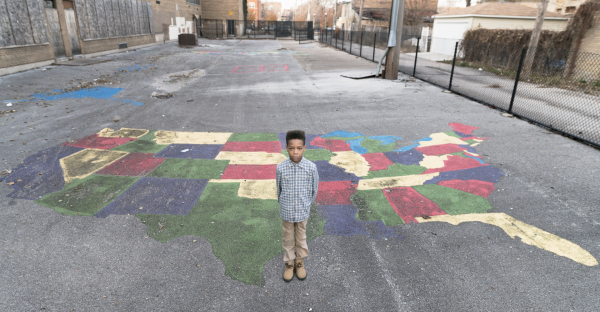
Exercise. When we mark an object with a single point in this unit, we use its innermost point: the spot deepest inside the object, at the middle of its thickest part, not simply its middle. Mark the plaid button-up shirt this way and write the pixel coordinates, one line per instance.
(297, 186)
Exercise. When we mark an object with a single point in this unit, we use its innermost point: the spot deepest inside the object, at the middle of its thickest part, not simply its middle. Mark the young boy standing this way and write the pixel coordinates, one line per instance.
(297, 185)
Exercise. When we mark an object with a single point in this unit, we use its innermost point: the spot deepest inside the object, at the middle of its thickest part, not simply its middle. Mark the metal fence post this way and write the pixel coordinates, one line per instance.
(416, 54)
(351, 43)
(512, 98)
(337, 34)
(343, 37)
(453, 62)
(361, 37)
(374, 42)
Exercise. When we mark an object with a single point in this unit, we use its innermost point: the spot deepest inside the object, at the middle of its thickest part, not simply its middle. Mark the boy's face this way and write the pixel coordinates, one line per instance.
(295, 148)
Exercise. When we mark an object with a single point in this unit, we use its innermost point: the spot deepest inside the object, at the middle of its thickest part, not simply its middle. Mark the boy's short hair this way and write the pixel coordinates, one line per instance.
(295, 135)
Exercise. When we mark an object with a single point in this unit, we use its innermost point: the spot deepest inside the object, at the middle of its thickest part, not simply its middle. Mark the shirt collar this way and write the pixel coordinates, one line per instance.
(302, 163)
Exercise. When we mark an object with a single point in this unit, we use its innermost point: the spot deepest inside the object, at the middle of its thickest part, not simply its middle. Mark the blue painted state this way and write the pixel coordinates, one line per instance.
(33, 184)
(484, 173)
(341, 220)
(329, 172)
(423, 139)
(194, 151)
(464, 135)
(309, 138)
(157, 195)
(355, 146)
(478, 159)
(469, 148)
(94, 93)
(385, 139)
(343, 134)
(411, 157)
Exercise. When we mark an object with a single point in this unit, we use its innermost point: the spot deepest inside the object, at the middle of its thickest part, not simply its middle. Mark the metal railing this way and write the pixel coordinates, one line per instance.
(557, 89)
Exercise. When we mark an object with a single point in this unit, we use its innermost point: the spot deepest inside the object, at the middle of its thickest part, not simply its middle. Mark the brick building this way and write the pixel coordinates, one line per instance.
(254, 10)
(271, 9)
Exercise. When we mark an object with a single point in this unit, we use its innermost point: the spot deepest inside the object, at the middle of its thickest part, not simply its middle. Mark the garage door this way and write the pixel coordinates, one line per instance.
(445, 35)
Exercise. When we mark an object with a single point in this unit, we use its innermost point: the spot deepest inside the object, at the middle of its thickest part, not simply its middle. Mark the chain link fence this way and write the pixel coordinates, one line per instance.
(558, 89)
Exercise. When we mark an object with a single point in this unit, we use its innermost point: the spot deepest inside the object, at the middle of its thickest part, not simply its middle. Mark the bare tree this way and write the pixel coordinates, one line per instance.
(416, 10)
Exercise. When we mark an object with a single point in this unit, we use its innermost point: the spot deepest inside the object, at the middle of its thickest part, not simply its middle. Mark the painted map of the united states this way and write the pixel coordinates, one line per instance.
(221, 186)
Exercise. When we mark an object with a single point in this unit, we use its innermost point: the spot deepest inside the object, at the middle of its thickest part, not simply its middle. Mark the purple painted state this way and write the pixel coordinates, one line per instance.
(484, 173)
(195, 151)
(469, 148)
(341, 220)
(463, 134)
(46, 162)
(329, 172)
(157, 195)
(410, 157)
(309, 138)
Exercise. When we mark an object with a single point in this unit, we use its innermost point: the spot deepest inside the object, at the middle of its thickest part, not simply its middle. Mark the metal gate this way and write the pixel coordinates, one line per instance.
(230, 27)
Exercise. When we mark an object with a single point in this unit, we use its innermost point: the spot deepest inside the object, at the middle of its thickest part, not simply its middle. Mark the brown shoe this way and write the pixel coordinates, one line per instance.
(300, 271)
(288, 274)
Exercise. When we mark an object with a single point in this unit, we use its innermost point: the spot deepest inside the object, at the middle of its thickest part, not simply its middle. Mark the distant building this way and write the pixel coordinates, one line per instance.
(254, 10)
(271, 9)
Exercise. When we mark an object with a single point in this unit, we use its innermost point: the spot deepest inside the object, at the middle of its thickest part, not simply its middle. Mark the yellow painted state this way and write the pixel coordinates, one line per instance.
(352, 161)
(181, 137)
(529, 234)
(251, 158)
(441, 138)
(257, 189)
(402, 181)
(123, 133)
(86, 162)
(433, 162)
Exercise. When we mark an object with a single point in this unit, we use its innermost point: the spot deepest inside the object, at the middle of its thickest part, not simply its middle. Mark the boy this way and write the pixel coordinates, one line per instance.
(297, 185)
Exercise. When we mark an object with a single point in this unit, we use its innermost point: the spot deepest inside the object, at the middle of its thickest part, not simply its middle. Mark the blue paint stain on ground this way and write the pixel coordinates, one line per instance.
(423, 139)
(483, 173)
(40, 174)
(94, 93)
(194, 151)
(329, 172)
(411, 157)
(133, 68)
(157, 195)
(341, 220)
(343, 134)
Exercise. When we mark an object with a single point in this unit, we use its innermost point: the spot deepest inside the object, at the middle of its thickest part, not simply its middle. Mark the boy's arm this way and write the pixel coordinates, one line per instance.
(315, 185)
(278, 182)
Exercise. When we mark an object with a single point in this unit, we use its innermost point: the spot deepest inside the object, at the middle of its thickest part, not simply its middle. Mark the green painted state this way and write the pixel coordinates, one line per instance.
(452, 133)
(245, 233)
(143, 144)
(313, 154)
(190, 168)
(373, 206)
(454, 202)
(470, 142)
(396, 170)
(253, 137)
(374, 146)
(85, 197)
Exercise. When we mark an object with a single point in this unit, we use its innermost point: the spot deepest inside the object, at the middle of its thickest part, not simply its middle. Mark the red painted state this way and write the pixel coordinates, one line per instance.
(455, 162)
(94, 141)
(332, 145)
(475, 187)
(462, 128)
(269, 147)
(250, 172)
(335, 193)
(133, 165)
(440, 149)
(409, 204)
(377, 161)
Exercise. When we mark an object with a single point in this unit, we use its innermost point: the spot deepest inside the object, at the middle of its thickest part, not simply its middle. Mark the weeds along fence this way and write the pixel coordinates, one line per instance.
(558, 89)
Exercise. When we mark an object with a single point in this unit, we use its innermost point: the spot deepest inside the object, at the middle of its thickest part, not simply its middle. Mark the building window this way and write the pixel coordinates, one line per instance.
(558, 10)
(251, 5)
(570, 9)
(196, 2)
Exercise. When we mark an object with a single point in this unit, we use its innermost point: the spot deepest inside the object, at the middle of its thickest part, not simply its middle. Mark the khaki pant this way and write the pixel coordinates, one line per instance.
(294, 234)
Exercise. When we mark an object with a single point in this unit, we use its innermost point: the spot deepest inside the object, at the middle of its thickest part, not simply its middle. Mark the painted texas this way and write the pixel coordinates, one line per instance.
(221, 186)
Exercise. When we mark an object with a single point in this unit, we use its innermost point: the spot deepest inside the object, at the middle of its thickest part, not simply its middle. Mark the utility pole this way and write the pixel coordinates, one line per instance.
(535, 38)
(362, 4)
(334, 15)
(391, 61)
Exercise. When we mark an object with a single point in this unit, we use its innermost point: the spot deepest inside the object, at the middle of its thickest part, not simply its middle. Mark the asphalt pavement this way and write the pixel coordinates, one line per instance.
(55, 262)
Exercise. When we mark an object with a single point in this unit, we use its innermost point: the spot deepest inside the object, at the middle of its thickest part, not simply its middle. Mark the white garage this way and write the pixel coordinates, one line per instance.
(449, 27)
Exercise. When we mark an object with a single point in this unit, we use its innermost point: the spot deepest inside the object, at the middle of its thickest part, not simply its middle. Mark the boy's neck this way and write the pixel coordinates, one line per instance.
(296, 162)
